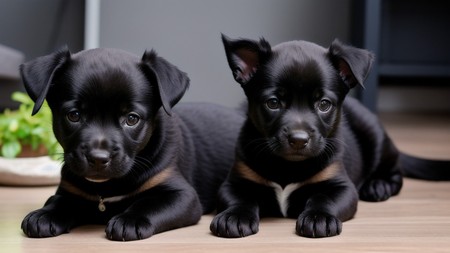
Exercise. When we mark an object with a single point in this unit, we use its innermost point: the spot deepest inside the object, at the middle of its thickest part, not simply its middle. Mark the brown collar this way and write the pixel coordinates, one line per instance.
(150, 183)
(246, 172)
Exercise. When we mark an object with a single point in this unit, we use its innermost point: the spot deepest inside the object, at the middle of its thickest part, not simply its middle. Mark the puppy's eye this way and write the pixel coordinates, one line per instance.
(132, 119)
(324, 105)
(74, 116)
(273, 104)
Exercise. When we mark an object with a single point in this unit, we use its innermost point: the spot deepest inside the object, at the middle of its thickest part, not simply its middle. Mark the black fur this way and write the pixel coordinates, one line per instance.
(306, 152)
(141, 165)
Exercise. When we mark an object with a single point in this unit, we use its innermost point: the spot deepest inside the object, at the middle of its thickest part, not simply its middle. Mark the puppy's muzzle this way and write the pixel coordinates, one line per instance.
(98, 158)
(298, 139)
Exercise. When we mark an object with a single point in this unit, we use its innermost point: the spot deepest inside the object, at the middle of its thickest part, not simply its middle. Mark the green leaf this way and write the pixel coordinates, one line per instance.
(13, 126)
(11, 149)
(22, 98)
(18, 127)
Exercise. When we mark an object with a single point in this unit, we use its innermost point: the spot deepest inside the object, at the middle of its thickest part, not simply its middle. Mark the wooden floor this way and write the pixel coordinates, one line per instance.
(418, 220)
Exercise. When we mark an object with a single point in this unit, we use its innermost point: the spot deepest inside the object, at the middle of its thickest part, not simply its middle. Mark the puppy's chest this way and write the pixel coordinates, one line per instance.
(282, 195)
(292, 195)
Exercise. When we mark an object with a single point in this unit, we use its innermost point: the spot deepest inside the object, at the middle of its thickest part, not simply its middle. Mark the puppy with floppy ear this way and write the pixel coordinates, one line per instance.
(131, 160)
(306, 151)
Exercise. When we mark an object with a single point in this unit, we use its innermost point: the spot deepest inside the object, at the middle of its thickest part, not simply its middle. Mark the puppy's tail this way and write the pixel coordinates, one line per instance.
(425, 169)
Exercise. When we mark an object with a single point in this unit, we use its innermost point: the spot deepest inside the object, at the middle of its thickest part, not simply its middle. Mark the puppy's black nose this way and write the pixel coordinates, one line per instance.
(298, 139)
(99, 158)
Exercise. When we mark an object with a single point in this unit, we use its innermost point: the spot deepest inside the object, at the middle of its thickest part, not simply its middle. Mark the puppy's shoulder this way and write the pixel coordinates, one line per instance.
(357, 113)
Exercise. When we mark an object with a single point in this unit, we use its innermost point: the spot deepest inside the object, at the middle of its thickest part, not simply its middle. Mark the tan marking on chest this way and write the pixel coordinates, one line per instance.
(283, 194)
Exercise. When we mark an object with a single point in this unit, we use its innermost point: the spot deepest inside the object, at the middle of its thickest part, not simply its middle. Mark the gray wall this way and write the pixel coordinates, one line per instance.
(38, 27)
(187, 33)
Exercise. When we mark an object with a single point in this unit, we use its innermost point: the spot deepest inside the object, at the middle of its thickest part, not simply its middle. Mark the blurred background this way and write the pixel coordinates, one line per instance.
(410, 38)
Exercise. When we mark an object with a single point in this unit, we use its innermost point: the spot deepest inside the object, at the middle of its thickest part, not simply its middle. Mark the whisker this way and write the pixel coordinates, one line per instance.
(140, 164)
(258, 146)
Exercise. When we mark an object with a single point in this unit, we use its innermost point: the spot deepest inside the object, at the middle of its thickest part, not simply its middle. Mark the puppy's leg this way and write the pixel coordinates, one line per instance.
(57, 216)
(387, 180)
(382, 174)
(238, 213)
(330, 205)
(171, 205)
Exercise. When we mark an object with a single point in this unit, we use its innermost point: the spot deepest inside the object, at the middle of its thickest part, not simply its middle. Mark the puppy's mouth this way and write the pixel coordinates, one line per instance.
(295, 157)
(298, 155)
(97, 179)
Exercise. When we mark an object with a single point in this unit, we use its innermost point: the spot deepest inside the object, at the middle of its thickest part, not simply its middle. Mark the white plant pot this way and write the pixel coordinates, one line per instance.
(29, 171)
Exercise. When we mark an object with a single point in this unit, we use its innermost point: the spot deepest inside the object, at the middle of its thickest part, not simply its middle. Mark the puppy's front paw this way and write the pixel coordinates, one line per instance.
(126, 227)
(233, 223)
(317, 225)
(45, 223)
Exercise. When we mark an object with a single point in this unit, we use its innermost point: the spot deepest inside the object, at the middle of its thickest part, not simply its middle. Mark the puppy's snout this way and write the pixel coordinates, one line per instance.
(99, 158)
(298, 139)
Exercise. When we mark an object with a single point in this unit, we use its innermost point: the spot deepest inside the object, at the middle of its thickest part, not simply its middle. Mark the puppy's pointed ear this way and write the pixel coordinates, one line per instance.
(245, 57)
(352, 63)
(171, 82)
(37, 75)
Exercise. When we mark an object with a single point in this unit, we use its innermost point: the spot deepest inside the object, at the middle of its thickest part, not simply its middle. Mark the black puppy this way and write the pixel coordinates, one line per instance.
(304, 152)
(130, 162)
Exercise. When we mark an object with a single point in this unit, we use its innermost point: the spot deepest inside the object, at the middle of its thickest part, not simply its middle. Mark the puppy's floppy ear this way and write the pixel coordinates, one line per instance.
(37, 75)
(352, 63)
(171, 82)
(245, 57)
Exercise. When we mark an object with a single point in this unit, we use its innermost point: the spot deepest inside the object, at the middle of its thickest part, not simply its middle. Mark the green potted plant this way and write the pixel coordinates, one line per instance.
(28, 147)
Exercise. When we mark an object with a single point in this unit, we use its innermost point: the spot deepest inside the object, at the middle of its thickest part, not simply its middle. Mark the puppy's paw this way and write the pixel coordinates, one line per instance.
(317, 225)
(234, 223)
(375, 190)
(127, 227)
(45, 223)
(380, 189)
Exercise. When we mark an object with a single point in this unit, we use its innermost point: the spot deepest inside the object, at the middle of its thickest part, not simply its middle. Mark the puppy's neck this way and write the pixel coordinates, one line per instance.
(156, 180)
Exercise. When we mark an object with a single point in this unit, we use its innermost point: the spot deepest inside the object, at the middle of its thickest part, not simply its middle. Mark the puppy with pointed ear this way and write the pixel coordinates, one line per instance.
(131, 160)
(306, 151)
